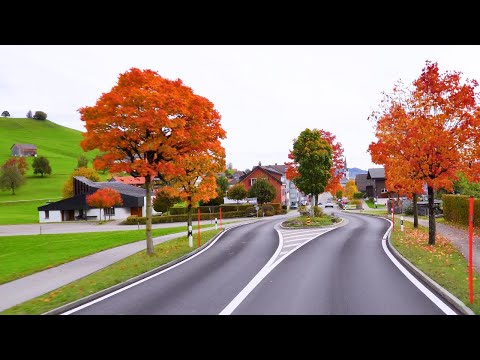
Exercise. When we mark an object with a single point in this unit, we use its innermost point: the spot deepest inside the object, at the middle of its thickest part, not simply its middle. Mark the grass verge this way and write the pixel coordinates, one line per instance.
(114, 274)
(442, 262)
(23, 255)
(371, 204)
(301, 221)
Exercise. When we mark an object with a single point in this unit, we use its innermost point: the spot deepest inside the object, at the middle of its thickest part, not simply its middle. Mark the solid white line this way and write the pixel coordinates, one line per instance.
(259, 277)
(289, 233)
(145, 279)
(440, 304)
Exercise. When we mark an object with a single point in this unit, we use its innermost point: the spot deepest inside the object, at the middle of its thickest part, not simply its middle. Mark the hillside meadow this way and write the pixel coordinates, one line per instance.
(59, 144)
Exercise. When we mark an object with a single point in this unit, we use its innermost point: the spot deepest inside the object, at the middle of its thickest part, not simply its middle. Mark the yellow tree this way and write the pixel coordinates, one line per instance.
(198, 179)
(350, 189)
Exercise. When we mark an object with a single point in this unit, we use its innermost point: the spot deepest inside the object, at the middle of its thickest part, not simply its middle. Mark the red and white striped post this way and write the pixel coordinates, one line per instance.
(198, 227)
(470, 249)
(393, 215)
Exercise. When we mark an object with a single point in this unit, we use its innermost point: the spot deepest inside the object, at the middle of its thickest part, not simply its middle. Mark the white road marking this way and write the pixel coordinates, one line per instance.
(440, 304)
(144, 279)
(262, 274)
(285, 246)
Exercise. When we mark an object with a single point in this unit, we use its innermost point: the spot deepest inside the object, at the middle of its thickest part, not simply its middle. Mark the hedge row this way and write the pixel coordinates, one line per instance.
(134, 220)
(456, 208)
(207, 209)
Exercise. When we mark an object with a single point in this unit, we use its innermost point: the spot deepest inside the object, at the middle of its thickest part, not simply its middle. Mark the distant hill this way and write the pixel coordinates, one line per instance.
(59, 144)
(353, 172)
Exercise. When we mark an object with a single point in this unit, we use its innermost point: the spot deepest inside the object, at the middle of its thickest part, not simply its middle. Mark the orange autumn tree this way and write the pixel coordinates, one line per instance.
(336, 171)
(19, 162)
(198, 179)
(144, 124)
(104, 198)
(389, 150)
(438, 129)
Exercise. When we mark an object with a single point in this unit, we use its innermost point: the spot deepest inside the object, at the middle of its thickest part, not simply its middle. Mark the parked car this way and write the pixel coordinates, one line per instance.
(329, 204)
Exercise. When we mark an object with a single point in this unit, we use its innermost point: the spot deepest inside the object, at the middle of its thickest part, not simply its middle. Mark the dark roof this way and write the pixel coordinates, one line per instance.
(376, 173)
(118, 186)
(25, 146)
(265, 170)
(80, 202)
(281, 169)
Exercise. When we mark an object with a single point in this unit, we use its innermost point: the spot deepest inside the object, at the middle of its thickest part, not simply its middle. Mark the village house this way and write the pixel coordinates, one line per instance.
(23, 150)
(76, 207)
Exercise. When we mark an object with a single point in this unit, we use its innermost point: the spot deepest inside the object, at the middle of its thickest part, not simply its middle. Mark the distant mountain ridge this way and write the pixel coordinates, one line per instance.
(353, 172)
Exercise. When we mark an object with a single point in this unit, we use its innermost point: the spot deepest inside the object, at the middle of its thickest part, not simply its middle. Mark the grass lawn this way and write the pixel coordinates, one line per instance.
(301, 221)
(22, 212)
(23, 255)
(59, 144)
(441, 262)
(371, 204)
(116, 273)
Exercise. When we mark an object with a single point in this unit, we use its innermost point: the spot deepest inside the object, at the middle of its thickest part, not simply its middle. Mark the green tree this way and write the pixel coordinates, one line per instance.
(40, 115)
(222, 185)
(41, 166)
(5, 113)
(263, 191)
(465, 187)
(237, 192)
(164, 200)
(339, 194)
(82, 161)
(29, 114)
(11, 178)
(313, 154)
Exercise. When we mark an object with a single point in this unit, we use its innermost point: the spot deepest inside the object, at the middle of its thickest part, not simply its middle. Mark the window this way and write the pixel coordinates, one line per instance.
(110, 211)
(253, 181)
(47, 214)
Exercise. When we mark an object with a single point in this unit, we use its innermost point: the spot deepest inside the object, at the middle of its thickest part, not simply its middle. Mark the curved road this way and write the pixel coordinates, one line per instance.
(342, 270)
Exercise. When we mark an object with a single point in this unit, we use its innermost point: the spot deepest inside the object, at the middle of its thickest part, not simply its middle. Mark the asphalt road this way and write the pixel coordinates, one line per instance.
(341, 271)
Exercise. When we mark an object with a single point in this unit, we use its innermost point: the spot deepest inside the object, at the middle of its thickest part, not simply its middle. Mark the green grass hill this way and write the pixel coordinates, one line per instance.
(59, 144)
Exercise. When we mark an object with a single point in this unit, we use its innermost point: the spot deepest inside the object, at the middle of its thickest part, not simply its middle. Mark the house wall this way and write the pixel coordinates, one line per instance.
(54, 216)
(15, 151)
(258, 174)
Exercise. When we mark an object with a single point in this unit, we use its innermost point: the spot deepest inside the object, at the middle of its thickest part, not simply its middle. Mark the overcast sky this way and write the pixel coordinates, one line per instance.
(267, 95)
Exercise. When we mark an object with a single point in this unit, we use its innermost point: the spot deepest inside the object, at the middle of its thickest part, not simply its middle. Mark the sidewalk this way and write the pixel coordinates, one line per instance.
(29, 287)
(457, 237)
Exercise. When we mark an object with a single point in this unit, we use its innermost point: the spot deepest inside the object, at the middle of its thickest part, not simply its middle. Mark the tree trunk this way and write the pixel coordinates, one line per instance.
(431, 217)
(148, 226)
(415, 210)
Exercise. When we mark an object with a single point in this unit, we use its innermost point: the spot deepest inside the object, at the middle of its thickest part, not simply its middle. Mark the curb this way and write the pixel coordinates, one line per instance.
(450, 298)
(113, 288)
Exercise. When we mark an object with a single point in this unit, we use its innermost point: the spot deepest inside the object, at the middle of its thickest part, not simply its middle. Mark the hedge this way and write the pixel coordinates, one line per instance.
(134, 220)
(206, 209)
(456, 208)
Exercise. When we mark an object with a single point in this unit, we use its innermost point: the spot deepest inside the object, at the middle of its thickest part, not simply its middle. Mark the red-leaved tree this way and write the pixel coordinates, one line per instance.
(19, 162)
(144, 124)
(437, 128)
(104, 198)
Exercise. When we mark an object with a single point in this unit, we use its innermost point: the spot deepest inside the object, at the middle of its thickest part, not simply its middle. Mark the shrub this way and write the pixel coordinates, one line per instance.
(269, 213)
(317, 211)
(268, 208)
(358, 195)
(250, 211)
(303, 211)
(284, 207)
(456, 209)
(40, 115)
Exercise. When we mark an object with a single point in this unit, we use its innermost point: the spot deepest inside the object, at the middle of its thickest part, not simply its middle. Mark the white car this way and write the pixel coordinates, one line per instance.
(329, 204)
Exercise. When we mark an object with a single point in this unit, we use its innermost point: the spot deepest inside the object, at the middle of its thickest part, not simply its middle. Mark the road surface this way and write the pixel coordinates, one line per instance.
(260, 268)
